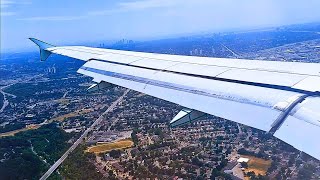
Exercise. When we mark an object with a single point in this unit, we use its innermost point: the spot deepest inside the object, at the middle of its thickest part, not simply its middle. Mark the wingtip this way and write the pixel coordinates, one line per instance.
(41, 44)
(44, 53)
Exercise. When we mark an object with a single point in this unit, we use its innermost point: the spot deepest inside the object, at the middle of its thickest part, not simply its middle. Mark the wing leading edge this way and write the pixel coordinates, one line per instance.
(281, 98)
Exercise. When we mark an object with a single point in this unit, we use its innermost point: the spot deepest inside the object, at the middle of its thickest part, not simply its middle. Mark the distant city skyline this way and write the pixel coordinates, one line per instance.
(71, 22)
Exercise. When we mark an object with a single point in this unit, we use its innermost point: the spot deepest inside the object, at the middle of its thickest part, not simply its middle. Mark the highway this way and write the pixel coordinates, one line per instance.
(235, 54)
(5, 99)
(85, 133)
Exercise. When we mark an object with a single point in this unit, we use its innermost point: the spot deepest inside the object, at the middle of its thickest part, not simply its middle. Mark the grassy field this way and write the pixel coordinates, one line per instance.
(107, 147)
(258, 165)
(36, 126)
(72, 114)
(12, 133)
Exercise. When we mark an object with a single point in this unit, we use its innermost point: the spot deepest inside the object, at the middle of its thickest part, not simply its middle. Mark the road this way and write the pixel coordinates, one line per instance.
(239, 128)
(85, 133)
(235, 54)
(5, 100)
(64, 95)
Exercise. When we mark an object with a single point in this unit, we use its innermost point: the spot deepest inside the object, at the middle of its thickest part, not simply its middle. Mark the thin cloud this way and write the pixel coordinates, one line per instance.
(147, 4)
(8, 14)
(119, 8)
(7, 7)
(9, 3)
(53, 18)
(6, 3)
(105, 12)
(136, 6)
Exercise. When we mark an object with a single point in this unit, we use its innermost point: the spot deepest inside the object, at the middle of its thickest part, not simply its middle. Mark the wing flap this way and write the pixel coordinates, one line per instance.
(224, 99)
(301, 135)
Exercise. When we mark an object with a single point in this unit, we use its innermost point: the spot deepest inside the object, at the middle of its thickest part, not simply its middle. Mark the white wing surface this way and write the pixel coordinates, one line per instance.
(282, 98)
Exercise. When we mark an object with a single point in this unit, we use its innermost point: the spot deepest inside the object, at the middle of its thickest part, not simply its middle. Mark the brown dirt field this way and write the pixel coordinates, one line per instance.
(258, 165)
(107, 147)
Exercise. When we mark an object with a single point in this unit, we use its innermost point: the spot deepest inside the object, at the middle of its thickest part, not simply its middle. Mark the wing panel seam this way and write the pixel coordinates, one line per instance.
(250, 83)
(192, 63)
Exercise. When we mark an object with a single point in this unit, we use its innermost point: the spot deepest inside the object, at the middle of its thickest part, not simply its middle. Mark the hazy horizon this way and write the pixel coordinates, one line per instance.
(70, 22)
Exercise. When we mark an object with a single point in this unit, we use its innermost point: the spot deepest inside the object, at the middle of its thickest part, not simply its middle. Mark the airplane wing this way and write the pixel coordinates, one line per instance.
(282, 98)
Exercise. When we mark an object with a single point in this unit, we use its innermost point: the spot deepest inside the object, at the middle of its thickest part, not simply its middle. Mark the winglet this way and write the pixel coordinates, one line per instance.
(44, 54)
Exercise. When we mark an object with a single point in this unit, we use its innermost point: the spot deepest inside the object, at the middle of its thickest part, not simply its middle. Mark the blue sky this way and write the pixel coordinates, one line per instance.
(75, 21)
